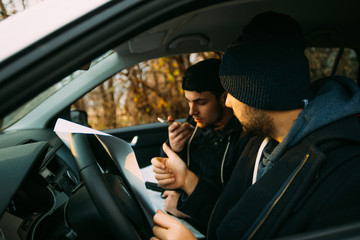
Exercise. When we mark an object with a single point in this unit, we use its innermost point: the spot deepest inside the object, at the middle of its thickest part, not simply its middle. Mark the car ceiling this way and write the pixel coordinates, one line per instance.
(326, 23)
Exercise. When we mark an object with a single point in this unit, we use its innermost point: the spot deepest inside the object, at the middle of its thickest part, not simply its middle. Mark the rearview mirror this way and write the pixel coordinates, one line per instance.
(79, 116)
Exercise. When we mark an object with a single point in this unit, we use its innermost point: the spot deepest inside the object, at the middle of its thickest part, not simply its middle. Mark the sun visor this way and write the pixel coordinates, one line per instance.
(146, 43)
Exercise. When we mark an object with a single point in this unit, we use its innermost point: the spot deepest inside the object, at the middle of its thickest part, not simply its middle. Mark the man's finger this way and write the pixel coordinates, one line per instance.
(185, 135)
(163, 176)
(163, 220)
(159, 232)
(174, 126)
(165, 182)
(161, 171)
(166, 193)
(169, 152)
(158, 162)
(171, 118)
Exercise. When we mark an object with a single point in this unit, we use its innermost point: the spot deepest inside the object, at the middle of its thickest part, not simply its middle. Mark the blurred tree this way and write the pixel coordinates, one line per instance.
(332, 61)
(11, 7)
(3, 11)
(141, 93)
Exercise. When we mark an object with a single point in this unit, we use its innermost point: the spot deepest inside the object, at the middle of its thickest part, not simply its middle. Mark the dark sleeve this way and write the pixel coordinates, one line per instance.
(162, 153)
(199, 204)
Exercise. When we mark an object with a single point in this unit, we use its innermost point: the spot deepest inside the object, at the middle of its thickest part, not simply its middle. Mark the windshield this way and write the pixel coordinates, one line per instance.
(26, 108)
(20, 112)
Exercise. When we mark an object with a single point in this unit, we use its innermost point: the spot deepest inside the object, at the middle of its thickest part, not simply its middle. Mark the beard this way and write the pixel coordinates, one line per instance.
(257, 121)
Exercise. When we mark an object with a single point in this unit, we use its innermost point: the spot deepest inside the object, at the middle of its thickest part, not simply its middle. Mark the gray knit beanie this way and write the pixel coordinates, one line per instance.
(266, 67)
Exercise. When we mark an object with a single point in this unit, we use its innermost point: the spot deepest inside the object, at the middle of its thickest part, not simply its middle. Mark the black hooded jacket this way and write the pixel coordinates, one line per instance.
(314, 182)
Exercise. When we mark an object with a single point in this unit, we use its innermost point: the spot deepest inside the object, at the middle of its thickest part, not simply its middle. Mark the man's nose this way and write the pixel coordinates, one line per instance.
(193, 109)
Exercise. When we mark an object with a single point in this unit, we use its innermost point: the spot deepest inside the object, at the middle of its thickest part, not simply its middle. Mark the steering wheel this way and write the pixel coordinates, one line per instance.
(111, 190)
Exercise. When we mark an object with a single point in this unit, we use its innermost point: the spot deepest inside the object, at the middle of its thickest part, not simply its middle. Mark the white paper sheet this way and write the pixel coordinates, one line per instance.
(64, 129)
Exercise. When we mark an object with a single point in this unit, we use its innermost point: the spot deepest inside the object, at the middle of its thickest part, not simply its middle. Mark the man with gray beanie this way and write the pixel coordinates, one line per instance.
(300, 173)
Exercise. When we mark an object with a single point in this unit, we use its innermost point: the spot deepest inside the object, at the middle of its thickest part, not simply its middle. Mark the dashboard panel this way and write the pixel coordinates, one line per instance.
(37, 175)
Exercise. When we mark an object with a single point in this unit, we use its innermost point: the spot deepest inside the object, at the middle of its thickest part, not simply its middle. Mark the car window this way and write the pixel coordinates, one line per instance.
(24, 109)
(151, 89)
(332, 61)
(141, 93)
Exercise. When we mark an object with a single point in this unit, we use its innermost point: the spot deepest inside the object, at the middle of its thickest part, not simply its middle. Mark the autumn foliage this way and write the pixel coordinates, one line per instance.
(141, 93)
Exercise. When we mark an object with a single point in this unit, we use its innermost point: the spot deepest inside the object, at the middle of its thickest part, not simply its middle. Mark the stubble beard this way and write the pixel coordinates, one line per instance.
(257, 122)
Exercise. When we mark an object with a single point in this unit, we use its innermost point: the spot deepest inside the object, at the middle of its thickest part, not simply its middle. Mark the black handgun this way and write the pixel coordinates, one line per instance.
(154, 187)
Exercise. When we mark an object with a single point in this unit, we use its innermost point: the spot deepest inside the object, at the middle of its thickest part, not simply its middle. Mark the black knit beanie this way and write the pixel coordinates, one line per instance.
(203, 76)
(266, 67)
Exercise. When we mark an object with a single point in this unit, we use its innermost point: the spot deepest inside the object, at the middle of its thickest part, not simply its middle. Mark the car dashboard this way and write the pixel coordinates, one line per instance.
(39, 174)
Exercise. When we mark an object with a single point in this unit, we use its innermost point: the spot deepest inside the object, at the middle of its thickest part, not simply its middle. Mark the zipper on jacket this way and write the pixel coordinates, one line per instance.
(223, 159)
(268, 209)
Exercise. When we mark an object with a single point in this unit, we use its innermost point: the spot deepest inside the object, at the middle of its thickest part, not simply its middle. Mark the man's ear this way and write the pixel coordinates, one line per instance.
(223, 98)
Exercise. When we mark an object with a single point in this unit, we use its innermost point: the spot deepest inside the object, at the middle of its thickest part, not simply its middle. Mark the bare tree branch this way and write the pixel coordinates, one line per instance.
(4, 13)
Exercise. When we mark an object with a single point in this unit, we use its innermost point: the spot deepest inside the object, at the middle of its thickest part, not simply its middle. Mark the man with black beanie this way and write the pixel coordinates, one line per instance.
(300, 174)
(210, 150)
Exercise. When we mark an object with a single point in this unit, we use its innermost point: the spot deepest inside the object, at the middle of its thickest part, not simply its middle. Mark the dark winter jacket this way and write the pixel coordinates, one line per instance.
(314, 182)
(213, 156)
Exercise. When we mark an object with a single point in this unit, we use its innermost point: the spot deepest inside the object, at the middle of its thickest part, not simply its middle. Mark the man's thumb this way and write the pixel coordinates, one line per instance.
(169, 152)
